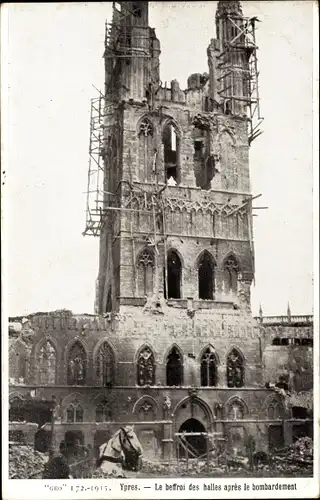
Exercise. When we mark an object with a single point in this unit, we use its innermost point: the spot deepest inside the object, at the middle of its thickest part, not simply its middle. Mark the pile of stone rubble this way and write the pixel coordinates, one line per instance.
(25, 463)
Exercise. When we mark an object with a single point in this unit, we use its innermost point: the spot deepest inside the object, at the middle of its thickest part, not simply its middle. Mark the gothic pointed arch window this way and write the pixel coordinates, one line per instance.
(274, 410)
(146, 367)
(208, 370)
(174, 368)
(235, 369)
(171, 152)
(145, 273)
(74, 412)
(146, 151)
(77, 365)
(206, 276)
(230, 275)
(235, 411)
(174, 275)
(103, 412)
(47, 363)
(105, 365)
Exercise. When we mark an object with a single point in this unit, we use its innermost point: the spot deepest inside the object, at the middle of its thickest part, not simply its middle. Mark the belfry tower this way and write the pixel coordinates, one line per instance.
(172, 206)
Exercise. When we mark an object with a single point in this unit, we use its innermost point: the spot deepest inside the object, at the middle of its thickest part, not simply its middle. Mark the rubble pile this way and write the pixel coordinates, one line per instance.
(25, 462)
(300, 452)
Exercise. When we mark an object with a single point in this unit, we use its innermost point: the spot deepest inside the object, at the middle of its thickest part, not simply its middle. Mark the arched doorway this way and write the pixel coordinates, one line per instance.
(197, 443)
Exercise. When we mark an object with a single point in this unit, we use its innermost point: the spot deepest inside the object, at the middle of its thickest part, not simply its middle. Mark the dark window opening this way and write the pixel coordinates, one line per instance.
(174, 368)
(136, 10)
(235, 369)
(206, 277)
(208, 368)
(276, 341)
(174, 275)
(285, 341)
(146, 367)
(227, 107)
(300, 431)
(198, 149)
(171, 145)
(299, 412)
(297, 341)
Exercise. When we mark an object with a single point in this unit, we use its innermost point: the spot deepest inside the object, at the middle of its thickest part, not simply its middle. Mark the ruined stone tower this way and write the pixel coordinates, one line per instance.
(176, 247)
(172, 347)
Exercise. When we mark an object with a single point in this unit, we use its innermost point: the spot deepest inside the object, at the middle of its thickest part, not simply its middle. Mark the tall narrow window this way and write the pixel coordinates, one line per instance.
(235, 369)
(146, 367)
(145, 273)
(77, 362)
(209, 368)
(173, 275)
(231, 272)
(105, 365)
(174, 368)
(47, 364)
(74, 412)
(146, 151)
(171, 151)
(206, 276)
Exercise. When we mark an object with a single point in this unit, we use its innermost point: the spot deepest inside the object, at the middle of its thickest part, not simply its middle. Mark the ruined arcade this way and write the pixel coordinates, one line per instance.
(172, 346)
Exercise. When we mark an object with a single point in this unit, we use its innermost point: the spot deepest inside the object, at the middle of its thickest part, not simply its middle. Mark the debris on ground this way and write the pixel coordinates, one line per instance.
(25, 462)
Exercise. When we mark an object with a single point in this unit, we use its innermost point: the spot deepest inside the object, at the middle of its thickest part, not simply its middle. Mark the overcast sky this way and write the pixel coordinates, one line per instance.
(55, 56)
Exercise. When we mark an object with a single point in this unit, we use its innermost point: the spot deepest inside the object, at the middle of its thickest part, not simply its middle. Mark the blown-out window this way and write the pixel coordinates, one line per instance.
(235, 369)
(174, 368)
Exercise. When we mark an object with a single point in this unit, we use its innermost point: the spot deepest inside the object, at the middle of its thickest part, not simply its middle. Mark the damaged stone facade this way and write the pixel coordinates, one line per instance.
(173, 344)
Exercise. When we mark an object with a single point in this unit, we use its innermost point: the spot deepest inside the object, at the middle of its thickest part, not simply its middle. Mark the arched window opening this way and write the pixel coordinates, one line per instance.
(74, 412)
(103, 412)
(171, 151)
(174, 368)
(146, 150)
(206, 277)
(105, 365)
(274, 410)
(231, 273)
(146, 367)
(47, 364)
(145, 273)
(208, 368)
(173, 275)
(146, 412)
(235, 411)
(235, 369)
(77, 362)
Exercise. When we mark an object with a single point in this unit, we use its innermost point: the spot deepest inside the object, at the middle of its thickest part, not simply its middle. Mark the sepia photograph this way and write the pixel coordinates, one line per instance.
(159, 242)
